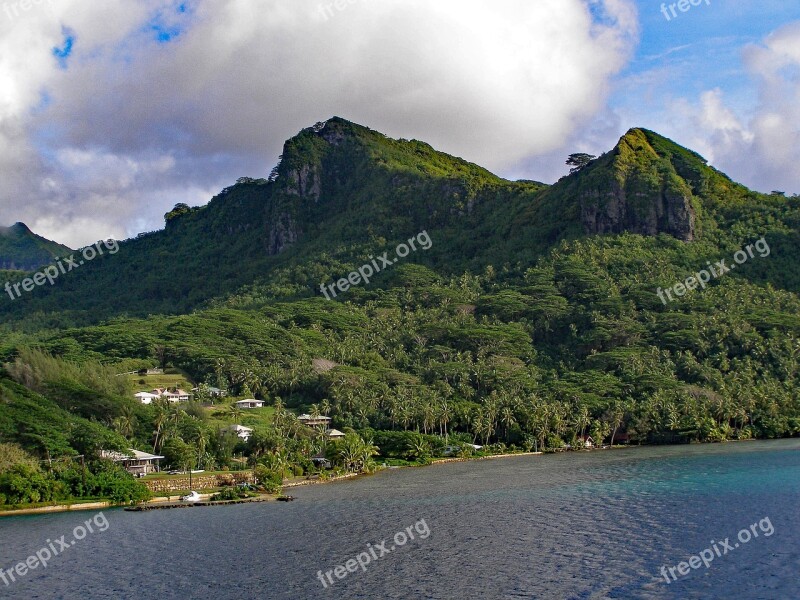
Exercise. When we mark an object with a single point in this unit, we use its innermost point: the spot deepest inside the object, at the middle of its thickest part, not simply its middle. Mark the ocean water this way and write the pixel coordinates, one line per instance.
(580, 525)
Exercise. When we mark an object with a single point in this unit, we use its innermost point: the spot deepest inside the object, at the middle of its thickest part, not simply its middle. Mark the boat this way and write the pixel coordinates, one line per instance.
(285, 498)
(191, 497)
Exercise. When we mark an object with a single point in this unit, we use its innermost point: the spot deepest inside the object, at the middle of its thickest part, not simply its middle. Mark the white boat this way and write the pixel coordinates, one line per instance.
(191, 497)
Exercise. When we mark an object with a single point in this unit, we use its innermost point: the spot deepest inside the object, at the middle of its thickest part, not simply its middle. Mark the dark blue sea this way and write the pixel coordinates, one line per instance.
(602, 524)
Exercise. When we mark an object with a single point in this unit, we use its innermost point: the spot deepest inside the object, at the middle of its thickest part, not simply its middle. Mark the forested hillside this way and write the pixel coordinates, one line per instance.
(533, 319)
(23, 250)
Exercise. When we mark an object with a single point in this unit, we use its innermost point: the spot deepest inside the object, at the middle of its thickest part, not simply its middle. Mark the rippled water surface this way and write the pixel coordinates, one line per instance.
(586, 525)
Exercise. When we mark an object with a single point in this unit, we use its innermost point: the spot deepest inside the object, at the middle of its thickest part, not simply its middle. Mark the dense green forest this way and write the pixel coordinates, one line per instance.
(532, 321)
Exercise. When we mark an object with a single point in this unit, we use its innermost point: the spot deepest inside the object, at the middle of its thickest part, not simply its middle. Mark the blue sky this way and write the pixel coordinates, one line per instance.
(702, 48)
(112, 112)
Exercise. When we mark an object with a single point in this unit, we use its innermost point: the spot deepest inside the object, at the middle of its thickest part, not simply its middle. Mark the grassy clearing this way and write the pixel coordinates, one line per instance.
(145, 383)
(219, 415)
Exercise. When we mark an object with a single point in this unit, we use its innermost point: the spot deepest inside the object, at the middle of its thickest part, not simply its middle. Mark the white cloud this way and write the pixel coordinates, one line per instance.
(761, 149)
(133, 126)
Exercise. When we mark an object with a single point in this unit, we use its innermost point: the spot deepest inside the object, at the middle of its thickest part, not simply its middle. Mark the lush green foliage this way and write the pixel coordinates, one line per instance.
(514, 330)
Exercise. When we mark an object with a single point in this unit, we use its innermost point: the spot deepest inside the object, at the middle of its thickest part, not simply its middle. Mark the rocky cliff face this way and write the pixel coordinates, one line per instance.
(620, 209)
(636, 189)
(304, 182)
(282, 232)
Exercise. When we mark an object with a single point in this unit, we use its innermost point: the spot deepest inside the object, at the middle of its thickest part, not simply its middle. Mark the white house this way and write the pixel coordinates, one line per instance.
(135, 462)
(249, 403)
(335, 434)
(147, 397)
(177, 396)
(241, 431)
(314, 421)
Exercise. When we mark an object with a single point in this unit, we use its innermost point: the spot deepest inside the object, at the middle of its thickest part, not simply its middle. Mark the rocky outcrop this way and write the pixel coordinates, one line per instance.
(282, 233)
(304, 182)
(636, 188)
(666, 211)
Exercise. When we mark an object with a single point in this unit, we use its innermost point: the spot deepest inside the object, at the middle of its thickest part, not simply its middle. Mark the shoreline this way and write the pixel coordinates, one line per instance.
(57, 508)
(149, 504)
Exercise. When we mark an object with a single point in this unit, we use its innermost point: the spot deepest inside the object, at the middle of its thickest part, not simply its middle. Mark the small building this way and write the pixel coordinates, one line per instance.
(314, 421)
(137, 463)
(451, 450)
(214, 392)
(177, 396)
(321, 462)
(335, 434)
(247, 404)
(586, 441)
(146, 397)
(241, 431)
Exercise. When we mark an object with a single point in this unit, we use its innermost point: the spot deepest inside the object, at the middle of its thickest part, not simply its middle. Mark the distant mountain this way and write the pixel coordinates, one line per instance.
(23, 250)
(343, 192)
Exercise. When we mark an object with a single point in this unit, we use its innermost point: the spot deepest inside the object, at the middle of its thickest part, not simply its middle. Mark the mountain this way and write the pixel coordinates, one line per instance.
(342, 192)
(23, 250)
(527, 314)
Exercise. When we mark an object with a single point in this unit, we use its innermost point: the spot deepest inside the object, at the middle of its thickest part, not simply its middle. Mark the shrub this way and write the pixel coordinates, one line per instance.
(231, 493)
(272, 481)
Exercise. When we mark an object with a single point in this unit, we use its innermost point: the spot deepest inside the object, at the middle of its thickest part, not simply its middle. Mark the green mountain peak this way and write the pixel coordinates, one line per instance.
(23, 250)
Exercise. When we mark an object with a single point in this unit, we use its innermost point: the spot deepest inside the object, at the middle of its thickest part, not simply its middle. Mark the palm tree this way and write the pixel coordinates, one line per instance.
(507, 419)
(201, 439)
(176, 415)
(582, 420)
(159, 421)
(355, 454)
(418, 447)
(325, 407)
(615, 418)
(235, 413)
(123, 425)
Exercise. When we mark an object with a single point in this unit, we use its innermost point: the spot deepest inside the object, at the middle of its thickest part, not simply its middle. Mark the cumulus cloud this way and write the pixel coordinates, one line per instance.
(147, 104)
(763, 148)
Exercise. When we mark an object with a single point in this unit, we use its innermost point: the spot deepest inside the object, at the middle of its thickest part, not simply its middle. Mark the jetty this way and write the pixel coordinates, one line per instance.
(168, 505)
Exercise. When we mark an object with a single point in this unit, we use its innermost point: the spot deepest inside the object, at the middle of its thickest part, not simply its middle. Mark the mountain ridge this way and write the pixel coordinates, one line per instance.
(341, 191)
(23, 250)
(519, 326)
